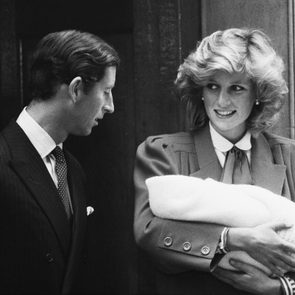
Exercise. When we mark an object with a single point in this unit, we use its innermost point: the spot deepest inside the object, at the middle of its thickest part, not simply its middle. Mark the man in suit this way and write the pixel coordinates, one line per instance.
(43, 202)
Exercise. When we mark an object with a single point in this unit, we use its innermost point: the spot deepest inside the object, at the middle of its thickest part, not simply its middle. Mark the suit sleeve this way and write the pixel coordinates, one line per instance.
(176, 246)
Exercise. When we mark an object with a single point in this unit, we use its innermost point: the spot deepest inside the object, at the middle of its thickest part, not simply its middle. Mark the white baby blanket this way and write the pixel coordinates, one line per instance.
(189, 198)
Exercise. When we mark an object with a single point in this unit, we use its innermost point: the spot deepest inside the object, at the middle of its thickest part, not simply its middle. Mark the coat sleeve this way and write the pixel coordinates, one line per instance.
(176, 246)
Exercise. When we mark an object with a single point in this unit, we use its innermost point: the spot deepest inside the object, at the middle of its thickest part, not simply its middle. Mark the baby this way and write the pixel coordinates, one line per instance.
(239, 205)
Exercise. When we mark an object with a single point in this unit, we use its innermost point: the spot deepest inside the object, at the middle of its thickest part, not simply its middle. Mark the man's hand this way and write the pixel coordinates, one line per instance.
(264, 245)
(249, 279)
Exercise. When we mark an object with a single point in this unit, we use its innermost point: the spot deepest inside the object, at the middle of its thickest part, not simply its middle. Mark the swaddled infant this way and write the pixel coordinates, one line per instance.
(240, 205)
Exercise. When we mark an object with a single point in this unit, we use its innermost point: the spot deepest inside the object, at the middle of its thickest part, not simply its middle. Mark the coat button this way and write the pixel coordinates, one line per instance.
(49, 257)
(187, 246)
(205, 250)
(168, 241)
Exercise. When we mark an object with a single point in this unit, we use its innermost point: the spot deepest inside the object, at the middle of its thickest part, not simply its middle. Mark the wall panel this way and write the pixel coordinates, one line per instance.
(10, 94)
(164, 32)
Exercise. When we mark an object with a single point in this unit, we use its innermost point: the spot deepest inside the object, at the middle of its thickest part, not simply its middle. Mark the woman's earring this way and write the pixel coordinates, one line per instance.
(257, 102)
(202, 98)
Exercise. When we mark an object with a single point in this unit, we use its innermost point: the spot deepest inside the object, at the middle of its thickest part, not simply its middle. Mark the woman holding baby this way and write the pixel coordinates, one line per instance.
(233, 86)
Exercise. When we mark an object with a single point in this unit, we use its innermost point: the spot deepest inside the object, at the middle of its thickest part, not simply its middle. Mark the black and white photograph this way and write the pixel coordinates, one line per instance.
(147, 147)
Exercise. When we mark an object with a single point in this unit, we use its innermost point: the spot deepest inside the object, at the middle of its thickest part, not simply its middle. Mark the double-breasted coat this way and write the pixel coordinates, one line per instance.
(183, 251)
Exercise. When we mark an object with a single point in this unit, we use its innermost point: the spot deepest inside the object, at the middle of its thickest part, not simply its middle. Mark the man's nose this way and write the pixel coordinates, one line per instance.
(109, 107)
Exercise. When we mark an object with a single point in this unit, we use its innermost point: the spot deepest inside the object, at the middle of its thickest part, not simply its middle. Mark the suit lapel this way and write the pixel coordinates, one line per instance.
(264, 172)
(209, 165)
(31, 169)
(78, 196)
(79, 221)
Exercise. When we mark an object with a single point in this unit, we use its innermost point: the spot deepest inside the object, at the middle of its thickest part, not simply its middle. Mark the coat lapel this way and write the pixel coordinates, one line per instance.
(209, 165)
(31, 169)
(264, 172)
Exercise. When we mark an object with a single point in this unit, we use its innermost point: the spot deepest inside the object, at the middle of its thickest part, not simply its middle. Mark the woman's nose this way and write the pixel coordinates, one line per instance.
(223, 99)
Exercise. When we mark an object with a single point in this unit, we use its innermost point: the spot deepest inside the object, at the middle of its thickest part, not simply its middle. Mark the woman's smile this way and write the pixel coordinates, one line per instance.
(224, 114)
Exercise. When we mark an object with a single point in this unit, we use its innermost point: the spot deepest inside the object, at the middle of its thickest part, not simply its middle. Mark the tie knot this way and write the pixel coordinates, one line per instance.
(239, 154)
(58, 154)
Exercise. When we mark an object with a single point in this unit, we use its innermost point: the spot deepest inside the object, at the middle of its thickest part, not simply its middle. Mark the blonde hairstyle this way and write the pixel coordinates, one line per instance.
(234, 51)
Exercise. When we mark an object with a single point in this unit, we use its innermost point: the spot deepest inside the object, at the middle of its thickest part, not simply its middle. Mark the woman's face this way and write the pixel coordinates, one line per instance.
(228, 100)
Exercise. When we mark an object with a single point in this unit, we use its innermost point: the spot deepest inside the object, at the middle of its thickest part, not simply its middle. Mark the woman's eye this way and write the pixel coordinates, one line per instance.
(237, 88)
(212, 86)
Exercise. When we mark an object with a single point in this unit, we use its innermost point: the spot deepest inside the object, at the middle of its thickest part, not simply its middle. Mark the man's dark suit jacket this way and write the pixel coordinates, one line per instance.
(183, 251)
(40, 251)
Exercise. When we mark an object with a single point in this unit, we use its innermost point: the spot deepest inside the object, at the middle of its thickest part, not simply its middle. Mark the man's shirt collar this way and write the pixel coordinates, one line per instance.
(39, 138)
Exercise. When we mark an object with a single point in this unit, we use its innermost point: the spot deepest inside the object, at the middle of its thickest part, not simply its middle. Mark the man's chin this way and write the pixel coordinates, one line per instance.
(88, 132)
(84, 132)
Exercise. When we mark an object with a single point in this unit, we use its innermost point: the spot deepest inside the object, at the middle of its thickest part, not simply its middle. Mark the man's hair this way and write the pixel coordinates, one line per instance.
(62, 56)
(234, 50)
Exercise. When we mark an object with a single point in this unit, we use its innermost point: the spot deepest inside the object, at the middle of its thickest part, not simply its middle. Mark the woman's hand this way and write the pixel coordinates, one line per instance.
(248, 278)
(265, 245)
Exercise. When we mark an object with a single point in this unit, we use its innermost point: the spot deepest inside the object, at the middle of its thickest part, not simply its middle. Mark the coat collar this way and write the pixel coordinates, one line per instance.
(265, 172)
(209, 165)
(29, 166)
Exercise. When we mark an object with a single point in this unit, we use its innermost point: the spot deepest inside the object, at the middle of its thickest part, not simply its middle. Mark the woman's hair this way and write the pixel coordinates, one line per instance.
(62, 56)
(234, 50)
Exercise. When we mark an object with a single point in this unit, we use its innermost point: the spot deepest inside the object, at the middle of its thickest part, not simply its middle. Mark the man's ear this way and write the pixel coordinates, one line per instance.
(75, 87)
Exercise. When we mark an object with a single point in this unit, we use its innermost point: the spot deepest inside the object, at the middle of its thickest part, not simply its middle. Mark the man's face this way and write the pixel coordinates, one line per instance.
(92, 106)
